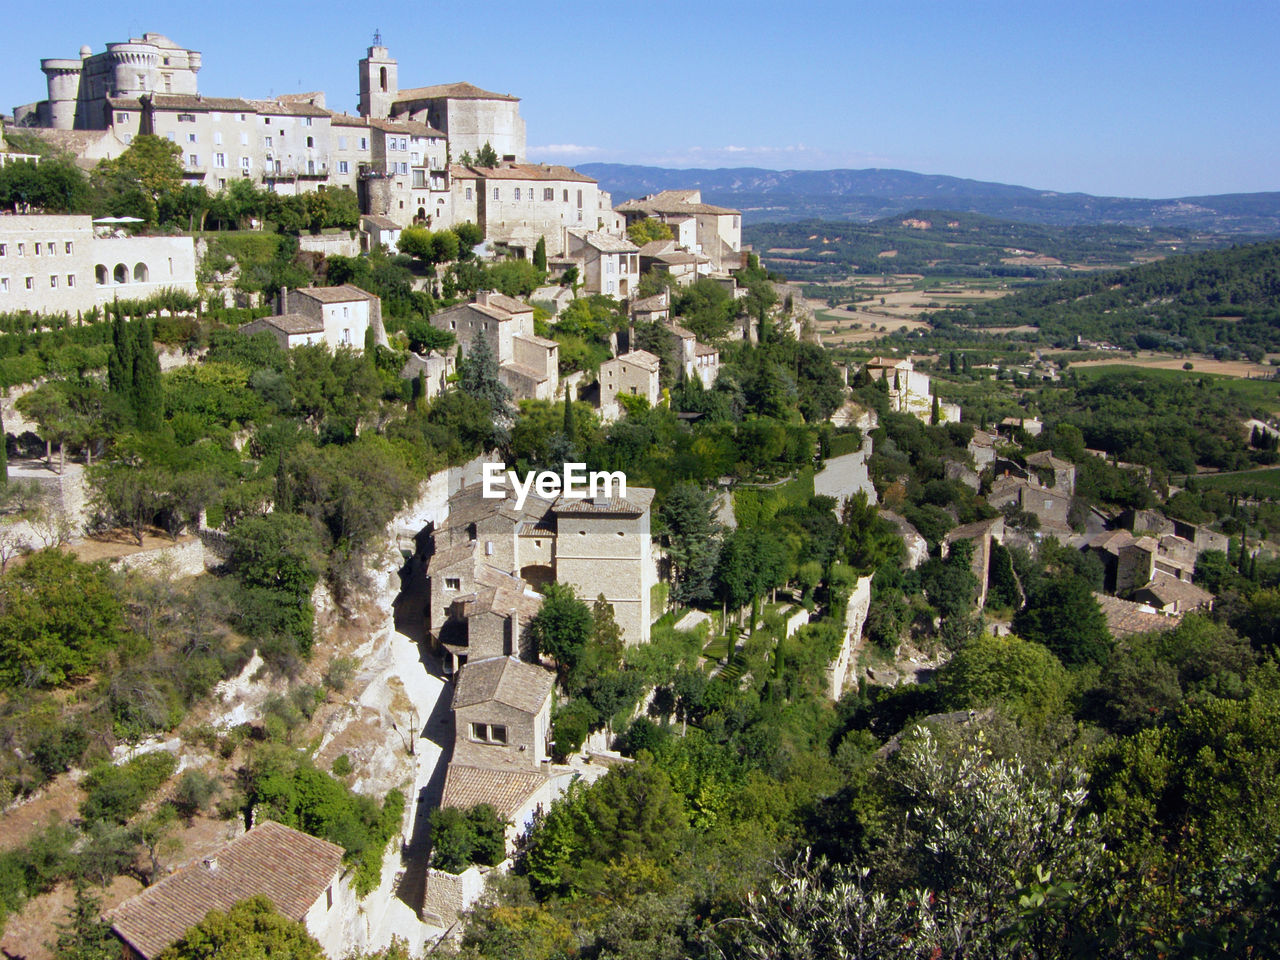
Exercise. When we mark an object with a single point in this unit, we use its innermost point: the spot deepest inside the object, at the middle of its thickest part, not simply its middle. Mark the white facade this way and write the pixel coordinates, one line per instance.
(56, 263)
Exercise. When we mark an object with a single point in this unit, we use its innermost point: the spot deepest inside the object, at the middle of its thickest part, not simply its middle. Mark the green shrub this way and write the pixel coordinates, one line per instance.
(460, 838)
(116, 793)
(341, 765)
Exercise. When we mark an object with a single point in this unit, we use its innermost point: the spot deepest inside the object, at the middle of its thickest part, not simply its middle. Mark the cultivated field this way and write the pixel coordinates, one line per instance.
(1244, 369)
(889, 307)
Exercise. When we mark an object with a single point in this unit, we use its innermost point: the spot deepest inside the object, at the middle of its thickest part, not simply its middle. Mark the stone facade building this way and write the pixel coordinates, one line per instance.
(634, 374)
(611, 265)
(528, 364)
(59, 263)
(716, 231)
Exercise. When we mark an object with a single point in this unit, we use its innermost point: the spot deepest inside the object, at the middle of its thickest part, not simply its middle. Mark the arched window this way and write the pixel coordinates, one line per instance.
(422, 213)
(100, 274)
(382, 77)
(140, 273)
(121, 273)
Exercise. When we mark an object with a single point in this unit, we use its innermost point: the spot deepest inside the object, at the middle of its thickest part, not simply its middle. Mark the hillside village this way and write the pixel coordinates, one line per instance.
(270, 647)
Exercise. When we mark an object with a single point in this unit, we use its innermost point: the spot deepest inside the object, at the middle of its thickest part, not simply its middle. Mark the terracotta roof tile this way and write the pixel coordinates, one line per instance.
(342, 294)
(451, 91)
(290, 867)
(506, 789)
(506, 680)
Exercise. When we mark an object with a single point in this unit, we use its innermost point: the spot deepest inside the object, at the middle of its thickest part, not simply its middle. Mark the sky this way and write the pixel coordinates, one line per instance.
(1119, 98)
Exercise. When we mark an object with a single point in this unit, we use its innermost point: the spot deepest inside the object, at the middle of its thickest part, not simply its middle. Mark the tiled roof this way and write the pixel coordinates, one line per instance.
(290, 323)
(636, 502)
(672, 201)
(510, 304)
(1111, 541)
(526, 371)
(1125, 618)
(537, 340)
(655, 247)
(681, 332)
(705, 350)
(506, 789)
(1045, 458)
(196, 102)
(639, 358)
(451, 91)
(342, 294)
(288, 866)
(607, 243)
(382, 223)
(411, 127)
(289, 108)
(505, 680)
(678, 257)
(523, 171)
(971, 530)
(1169, 589)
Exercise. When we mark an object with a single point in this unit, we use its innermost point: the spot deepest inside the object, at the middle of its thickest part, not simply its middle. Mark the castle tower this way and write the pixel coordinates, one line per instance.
(63, 78)
(378, 81)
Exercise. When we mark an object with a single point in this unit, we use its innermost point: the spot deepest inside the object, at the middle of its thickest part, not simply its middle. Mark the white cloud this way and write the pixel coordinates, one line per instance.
(564, 150)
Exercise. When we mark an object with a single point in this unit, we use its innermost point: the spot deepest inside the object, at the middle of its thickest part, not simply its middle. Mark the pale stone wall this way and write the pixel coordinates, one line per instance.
(610, 555)
(526, 745)
(166, 263)
(46, 282)
(855, 615)
(843, 476)
(621, 375)
(183, 559)
(334, 917)
(330, 244)
(449, 895)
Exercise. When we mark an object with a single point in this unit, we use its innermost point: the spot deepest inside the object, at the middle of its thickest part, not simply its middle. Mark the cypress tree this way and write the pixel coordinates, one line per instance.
(370, 344)
(284, 489)
(121, 360)
(935, 415)
(4, 453)
(540, 254)
(421, 388)
(570, 431)
(148, 400)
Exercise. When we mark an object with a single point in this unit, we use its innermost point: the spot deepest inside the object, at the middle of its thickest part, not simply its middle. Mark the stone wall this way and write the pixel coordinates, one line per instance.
(841, 477)
(855, 615)
(330, 244)
(182, 559)
(450, 894)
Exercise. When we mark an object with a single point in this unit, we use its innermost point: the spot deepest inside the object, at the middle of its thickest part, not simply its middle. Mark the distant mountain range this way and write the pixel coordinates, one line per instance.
(863, 195)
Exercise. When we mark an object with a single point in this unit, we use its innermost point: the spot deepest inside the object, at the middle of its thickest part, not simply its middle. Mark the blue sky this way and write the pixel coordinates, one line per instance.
(1119, 98)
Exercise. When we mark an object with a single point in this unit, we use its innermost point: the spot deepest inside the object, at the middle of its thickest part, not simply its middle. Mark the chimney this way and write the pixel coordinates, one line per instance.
(482, 298)
(211, 864)
(283, 306)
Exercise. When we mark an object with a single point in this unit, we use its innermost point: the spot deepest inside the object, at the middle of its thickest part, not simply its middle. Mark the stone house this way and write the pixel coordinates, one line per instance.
(655, 309)
(700, 360)
(502, 708)
(488, 556)
(1173, 596)
(1009, 426)
(380, 231)
(983, 448)
(1049, 505)
(302, 875)
(611, 265)
(1063, 472)
(335, 316)
(717, 231)
(634, 374)
(681, 265)
(528, 364)
(910, 391)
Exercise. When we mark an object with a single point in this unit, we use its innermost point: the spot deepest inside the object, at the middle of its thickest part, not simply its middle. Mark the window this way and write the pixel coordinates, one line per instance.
(267, 142)
(37, 248)
(186, 118)
(267, 121)
(328, 898)
(53, 280)
(517, 193)
(364, 143)
(495, 193)
(489, 732)
(4, 284)
(566, 196)
(468, 193)
(548, 194)
(22, 249)
(453, 583)
(243, 117)
(342, 143)
(30, 282)
(306, 121)
(193, 160)
(342, 166)
(217, 137)
(579, 199)
(71, 279)
(122, 118)
(191, 138)
(245, 163)
(172, 136)
(128, 138)
(311, 142)
(4, 249)
(68, 245)
(346, 336)
(219, 159)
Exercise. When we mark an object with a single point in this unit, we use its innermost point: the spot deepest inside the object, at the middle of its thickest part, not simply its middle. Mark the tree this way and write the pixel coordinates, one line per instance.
(84, 935)
(148, 398)
(480, 379)
(647, 230)
(1062, 614)
(150, 165)
(250, 930)
(1024, 676)
(561, 627)
(460, 837)
(417, 242)
(4, 453)
(58, 617)
(487, 156)
(540, 254)
(692, 548)
(120, 362)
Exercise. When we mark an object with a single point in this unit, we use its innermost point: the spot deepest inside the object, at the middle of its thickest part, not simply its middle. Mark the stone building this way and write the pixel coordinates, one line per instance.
(697, 360)
(666, 257)
(435, 368)
(488, 556)
(517, 204)
(982, 535)
(302, 875)
(611, 265)
(716, 231)
(1062, 472)
(1048, 504)
(58, 263)
(528, 364)
(910, 391)
(634, 374)
(469, 116)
